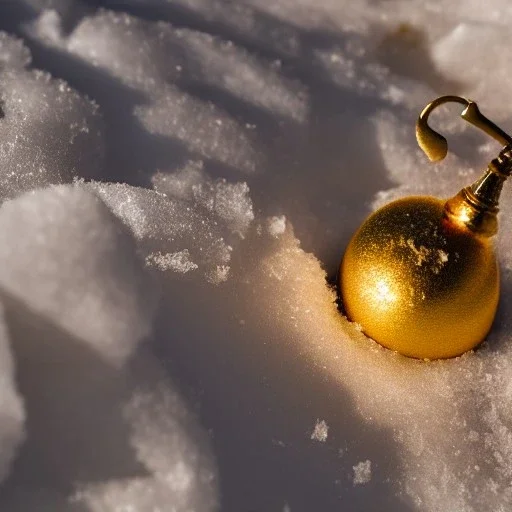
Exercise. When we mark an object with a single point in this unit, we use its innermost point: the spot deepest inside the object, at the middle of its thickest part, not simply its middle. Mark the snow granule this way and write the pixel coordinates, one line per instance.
(277, 225)
(362, 472)
(320, 431)
(178, 262)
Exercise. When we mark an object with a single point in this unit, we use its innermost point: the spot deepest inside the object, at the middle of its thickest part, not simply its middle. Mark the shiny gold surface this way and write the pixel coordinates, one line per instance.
(418, 284)
(435, 146)
(464, 211)
(420, 275)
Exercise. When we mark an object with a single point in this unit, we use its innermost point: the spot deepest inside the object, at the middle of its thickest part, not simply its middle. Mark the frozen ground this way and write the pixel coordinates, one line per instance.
(180, 178)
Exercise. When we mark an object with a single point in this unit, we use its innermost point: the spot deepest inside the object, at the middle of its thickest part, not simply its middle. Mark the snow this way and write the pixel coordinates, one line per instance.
(229, 202)
(80, 303)
(98, 275)
(177, 261)
(13, 415)
(277, 225)
(49, 133)
(362, 472)
(13, 52)
(174, 454)
(463, 40)
(163, 226)
(180, 178)
(320, 432)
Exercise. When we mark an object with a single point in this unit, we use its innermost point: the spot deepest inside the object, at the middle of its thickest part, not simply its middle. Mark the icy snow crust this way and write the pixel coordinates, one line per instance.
(179, 179)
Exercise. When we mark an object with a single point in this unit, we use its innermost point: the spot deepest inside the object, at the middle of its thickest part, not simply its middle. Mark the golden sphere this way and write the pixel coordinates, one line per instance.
(418, 283)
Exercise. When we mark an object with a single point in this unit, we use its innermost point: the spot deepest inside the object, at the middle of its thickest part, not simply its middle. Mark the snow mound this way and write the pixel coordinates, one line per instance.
(175, 453)
(79, 303)
(478, 63)
(229, 202)
(67, 258)
(192, 227)
(13, 52)
(138, 435)
(156, 90)
(49, 133)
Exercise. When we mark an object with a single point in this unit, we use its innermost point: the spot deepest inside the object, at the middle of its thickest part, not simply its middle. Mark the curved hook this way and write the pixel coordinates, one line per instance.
(435, 145)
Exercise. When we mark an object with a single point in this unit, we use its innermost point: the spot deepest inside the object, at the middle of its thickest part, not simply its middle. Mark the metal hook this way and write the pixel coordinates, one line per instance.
(435, 145)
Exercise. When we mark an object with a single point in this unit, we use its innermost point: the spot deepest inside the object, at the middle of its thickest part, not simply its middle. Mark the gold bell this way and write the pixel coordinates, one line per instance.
(420, 276)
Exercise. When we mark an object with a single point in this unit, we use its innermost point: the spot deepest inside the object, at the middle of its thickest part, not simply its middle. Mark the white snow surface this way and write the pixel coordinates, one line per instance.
(180, 178)
(99, 276)
(49, 133)
(12, 410)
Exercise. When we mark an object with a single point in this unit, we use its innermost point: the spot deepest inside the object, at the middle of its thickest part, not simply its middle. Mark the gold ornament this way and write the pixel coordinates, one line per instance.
(420, 275)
